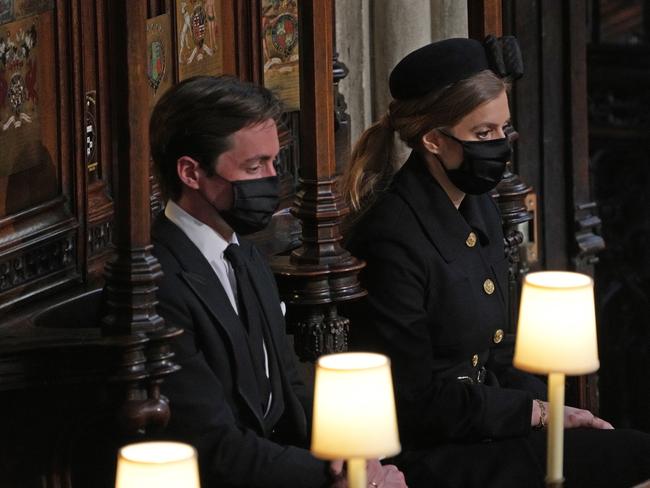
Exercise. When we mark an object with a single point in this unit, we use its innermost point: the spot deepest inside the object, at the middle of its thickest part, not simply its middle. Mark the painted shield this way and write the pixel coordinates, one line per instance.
(157, 65)
(199, 18)
(285, 34)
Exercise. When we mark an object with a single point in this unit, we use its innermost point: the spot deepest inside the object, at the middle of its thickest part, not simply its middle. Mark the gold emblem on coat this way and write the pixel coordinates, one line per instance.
(488, 286)
(471, 240)
(474, 360)
(498, 336)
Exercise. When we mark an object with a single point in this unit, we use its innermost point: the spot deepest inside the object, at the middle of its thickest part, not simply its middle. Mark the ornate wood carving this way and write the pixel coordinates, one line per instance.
(100, 237)
(36, 262)
(342, 129)
(510, 196)
(320, 273)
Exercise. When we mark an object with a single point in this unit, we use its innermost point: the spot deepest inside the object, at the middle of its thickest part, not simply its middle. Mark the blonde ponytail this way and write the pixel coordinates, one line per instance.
(370, 168)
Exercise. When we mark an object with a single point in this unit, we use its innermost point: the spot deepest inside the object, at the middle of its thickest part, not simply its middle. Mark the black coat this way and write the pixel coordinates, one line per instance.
(214, 399)
(431, 308)
(431, 311)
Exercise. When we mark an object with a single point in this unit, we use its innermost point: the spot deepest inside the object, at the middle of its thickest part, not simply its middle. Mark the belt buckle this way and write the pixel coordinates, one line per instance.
(479, 379)
(480, 375)
(465, 379)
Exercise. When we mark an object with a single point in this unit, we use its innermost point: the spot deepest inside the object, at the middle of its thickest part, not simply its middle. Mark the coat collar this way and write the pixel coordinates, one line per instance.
(201, 279)
(445, 226)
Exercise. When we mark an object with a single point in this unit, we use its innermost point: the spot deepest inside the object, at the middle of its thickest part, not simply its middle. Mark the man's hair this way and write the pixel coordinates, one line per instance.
(196, 118)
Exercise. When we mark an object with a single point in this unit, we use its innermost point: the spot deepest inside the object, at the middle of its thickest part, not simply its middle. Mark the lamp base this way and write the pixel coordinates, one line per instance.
(555, 483)
(357, 473)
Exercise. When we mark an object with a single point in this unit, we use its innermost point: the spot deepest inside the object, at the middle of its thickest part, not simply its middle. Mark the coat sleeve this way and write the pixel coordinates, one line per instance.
(395, 320)
(230, 454)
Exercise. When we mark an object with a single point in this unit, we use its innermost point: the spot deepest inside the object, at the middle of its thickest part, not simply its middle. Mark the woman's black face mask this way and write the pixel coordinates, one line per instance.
(483, 165)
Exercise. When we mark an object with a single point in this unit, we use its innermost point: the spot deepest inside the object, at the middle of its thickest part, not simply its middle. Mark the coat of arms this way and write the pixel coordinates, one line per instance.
(17, 77)
(156, 64)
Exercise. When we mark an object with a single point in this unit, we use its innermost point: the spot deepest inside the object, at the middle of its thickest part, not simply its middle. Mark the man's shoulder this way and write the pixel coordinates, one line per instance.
(171, 247)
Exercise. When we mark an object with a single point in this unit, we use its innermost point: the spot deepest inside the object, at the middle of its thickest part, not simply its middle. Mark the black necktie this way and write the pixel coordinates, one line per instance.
(250, 314)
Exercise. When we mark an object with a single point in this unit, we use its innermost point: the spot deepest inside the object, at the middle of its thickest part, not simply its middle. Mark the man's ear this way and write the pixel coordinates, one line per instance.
(188, 171)
(432, 141)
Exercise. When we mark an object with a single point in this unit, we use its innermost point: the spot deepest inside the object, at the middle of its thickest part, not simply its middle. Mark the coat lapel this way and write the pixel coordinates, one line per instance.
(202, 280)
(438, 217)
(445, 226)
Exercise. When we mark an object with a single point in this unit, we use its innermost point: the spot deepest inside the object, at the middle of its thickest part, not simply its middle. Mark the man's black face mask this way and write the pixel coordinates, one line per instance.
(254, 202)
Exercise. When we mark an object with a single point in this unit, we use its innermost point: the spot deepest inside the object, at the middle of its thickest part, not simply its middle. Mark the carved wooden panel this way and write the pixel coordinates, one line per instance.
(40, 243)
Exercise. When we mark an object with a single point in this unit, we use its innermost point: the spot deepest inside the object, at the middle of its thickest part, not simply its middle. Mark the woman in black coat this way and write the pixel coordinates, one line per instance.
(437, 281)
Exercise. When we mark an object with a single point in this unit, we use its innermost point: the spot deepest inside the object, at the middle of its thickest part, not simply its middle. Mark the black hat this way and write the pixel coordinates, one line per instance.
(442, 63)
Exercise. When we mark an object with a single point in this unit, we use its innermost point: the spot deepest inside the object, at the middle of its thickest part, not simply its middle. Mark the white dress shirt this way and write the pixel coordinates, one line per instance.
(212, 245)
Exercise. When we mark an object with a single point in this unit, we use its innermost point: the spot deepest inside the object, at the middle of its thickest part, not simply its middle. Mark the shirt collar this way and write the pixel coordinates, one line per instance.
(204, 237)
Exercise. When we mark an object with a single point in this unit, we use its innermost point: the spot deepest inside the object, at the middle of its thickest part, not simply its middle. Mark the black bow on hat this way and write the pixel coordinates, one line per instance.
(437, 65)
(504, 56)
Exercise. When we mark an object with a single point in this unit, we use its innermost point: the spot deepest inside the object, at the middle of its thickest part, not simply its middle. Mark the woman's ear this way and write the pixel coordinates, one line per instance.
(188, 171)
(432, 140)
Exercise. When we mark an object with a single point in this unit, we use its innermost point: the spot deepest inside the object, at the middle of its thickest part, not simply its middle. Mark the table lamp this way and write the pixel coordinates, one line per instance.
(556, 335)
(159, 464)
(354, 412)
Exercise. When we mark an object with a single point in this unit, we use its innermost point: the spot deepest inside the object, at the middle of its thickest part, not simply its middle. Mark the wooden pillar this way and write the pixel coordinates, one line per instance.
(131, 275)
(484, 17)
(130, 291)
(320, 273)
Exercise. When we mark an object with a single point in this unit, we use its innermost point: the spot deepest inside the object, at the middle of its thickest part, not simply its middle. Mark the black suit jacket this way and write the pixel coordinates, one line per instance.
(214, 398)
(428, 309)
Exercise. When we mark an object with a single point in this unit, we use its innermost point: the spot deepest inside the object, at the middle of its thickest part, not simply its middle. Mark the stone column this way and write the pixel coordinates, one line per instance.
(373, 35)
(448, 19)
(353, 45)
(397, 28)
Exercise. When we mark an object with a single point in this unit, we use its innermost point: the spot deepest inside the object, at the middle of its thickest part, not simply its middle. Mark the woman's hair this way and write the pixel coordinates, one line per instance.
(371, 167)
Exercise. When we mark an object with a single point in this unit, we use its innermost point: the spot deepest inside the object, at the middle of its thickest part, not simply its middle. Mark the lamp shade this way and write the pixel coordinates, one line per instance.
(159, 464)
(557, 324)
(354, 407)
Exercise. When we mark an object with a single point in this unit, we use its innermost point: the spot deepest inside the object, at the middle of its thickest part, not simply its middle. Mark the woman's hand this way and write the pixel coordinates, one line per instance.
(573, 417)
(384, 476)
(379, 476)
(576, 417)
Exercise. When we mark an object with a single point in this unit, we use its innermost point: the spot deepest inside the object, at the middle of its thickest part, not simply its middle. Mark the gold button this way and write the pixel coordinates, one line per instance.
(498, 336)
(471, 240)
(474, 360)
(488, 286)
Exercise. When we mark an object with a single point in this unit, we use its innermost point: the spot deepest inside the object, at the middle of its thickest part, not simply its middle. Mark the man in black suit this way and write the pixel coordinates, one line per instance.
(238, 397)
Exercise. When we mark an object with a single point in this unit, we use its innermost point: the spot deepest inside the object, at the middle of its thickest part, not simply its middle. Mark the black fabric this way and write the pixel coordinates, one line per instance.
(428, 311)
(214, 398)
(251, 316)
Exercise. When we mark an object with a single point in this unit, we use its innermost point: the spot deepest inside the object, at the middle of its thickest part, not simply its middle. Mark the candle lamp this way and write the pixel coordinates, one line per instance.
(159, 464)
(556, 335)
(354, 412)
